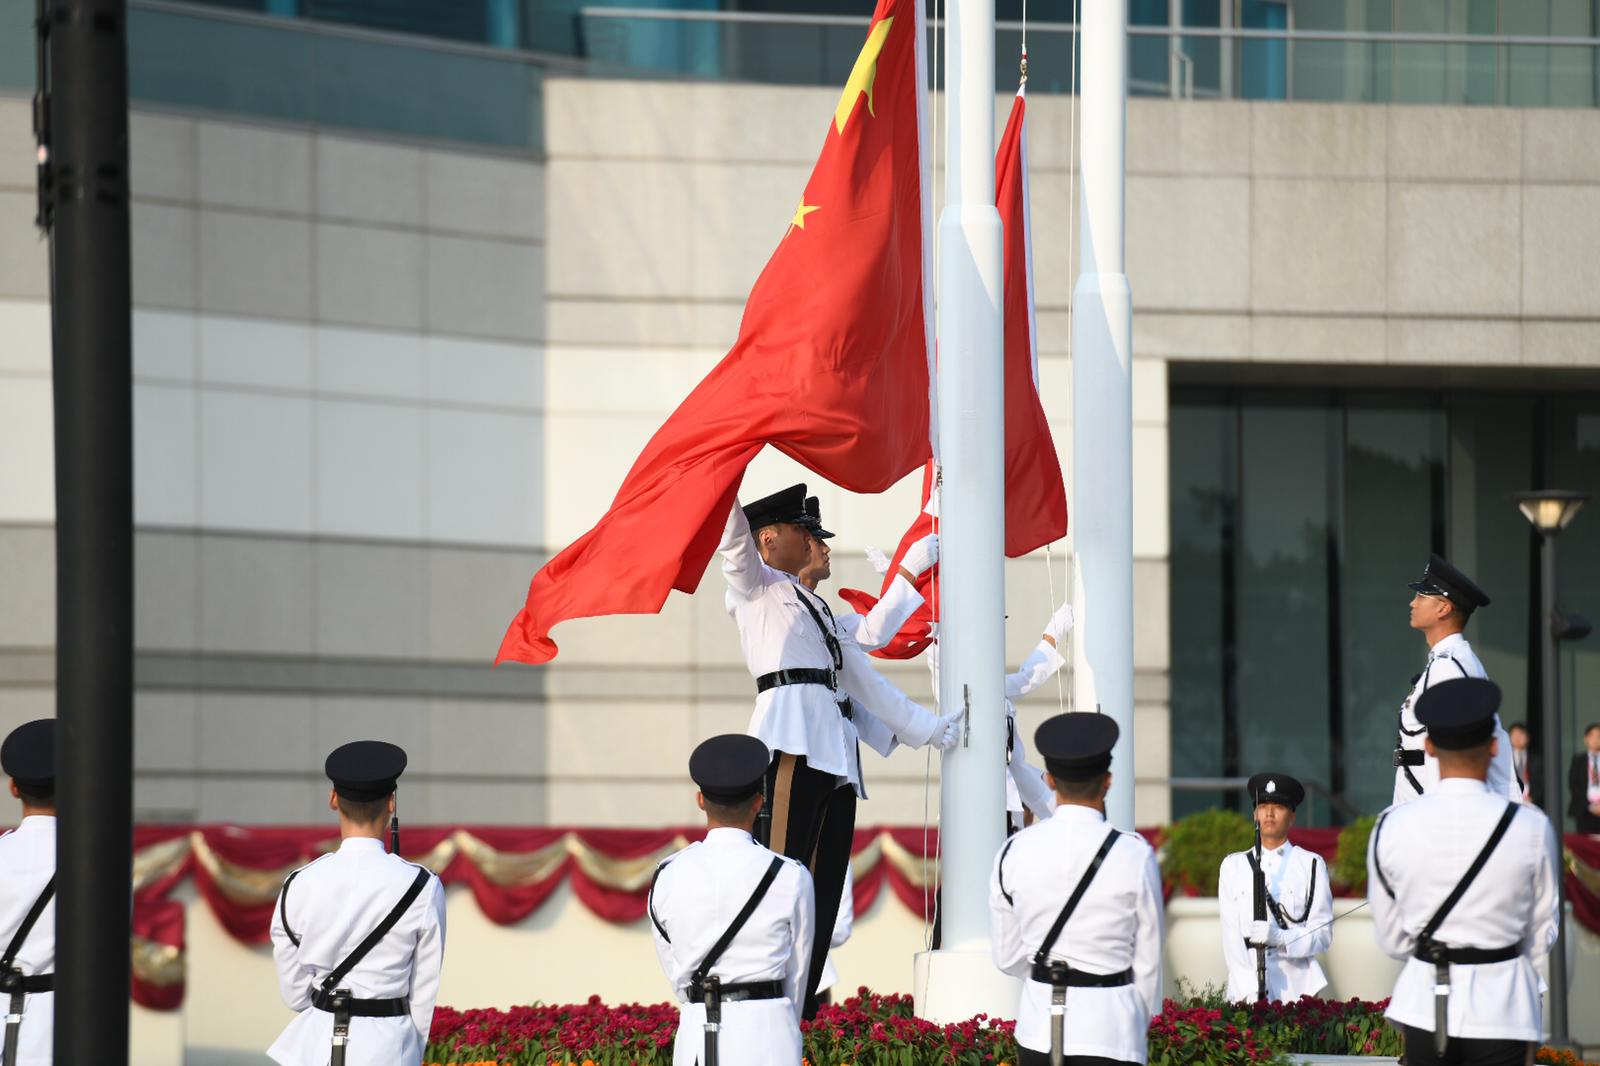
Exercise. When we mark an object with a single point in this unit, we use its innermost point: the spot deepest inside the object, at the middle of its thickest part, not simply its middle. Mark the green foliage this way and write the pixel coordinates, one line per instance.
(1350, 858)
(1195, 847)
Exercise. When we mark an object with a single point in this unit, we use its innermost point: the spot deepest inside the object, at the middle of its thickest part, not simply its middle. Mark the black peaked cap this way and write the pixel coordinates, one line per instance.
(1276, 788)
(1442, 579)
(365, 769)
(786, 505)
(1459, 713)
(814, 518)
(29, 754)
(730, 767)
(1076, 746)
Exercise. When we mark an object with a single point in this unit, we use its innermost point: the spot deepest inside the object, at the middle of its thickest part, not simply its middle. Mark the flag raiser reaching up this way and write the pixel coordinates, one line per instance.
(830, 367)
(1036, 499)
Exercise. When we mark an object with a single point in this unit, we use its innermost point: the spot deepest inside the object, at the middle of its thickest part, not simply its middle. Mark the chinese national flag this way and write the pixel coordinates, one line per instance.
(830, 367)
(1036, 498)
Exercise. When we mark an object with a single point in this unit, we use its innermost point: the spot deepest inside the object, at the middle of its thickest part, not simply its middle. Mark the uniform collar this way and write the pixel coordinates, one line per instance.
(1447, 645)
(360, 844)
(40, 823)
(1462, 786)
(728, 835)
(1077, 812)
(1282, 850)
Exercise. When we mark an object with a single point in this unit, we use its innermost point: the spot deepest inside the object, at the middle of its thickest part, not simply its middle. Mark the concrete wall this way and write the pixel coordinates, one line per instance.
(378, 383)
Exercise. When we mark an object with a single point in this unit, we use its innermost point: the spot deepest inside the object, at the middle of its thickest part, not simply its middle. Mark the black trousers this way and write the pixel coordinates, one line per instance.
(1463, 1052)
(810, 817)
(1029, 1057)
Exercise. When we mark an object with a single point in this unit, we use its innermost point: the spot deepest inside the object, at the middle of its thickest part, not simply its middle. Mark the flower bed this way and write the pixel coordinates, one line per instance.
(878, 1030)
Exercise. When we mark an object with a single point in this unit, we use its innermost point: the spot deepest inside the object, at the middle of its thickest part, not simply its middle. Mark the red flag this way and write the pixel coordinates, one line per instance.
(830, 367)
(1036, 498)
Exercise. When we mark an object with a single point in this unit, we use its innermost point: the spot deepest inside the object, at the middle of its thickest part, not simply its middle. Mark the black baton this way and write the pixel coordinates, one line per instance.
(341, 1025)
(1058, 1022)
(713, 994)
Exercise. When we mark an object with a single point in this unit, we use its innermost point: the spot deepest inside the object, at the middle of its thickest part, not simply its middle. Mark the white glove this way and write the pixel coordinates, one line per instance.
(879, 561)
(921, 555)
(947, 732)
(1258, 935)
(1060, 623)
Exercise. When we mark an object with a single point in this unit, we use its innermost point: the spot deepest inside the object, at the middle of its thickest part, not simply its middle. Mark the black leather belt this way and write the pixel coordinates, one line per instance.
(362, 1008)
(1409, 756)
(31, 984)
(804, 675)
(1438, 953)
(736, 993)
(1059, 973)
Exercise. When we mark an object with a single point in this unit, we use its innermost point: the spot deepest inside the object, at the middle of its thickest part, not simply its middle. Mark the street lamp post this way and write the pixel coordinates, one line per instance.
(1551, 512)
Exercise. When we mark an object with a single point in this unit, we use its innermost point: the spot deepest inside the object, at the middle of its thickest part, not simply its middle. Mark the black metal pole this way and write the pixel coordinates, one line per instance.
(87, 112)
(1551, 743)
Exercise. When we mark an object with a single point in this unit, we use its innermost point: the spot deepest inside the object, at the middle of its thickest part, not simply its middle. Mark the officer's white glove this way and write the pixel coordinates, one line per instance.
(948, 731)
(921, 555)
(1060, 623)
(1258, 935)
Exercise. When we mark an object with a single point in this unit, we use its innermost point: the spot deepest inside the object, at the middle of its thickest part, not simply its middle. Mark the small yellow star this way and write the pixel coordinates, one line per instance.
(800, 214)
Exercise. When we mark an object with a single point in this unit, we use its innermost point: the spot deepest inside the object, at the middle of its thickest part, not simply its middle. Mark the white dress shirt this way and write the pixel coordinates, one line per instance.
(777, 632)
(1449, 659)
(27, 862)
(333, 904)
(1116, 927)
(697, 894)
(1293, 877)
(1416, 856)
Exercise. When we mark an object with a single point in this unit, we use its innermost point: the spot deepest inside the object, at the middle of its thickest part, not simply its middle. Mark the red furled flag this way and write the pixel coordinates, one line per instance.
(1036, 498)
(831, 364)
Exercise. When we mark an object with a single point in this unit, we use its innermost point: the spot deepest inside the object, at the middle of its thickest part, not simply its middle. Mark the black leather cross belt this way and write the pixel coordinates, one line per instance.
(1059, 973)
(804, 675)
(1437, 953)
(362, 1008)
(737, 993)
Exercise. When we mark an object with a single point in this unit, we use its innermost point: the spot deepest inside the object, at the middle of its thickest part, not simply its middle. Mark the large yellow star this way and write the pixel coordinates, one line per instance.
(800, 214)
(863, 75)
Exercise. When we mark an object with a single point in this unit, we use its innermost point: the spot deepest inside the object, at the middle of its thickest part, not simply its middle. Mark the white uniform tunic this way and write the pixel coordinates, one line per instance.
(777, 632)
(1449, 659)
(27, 862)
(1117, 926)
(1294, 876)
(1421, 850)
(697, 894)
(333, 904)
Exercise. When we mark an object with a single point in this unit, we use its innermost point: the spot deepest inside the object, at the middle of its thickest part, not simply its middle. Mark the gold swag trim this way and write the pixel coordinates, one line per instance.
(157, 964)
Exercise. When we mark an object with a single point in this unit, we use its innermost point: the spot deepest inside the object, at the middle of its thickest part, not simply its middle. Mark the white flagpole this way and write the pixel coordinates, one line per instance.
(1102, 401)
(960, 980)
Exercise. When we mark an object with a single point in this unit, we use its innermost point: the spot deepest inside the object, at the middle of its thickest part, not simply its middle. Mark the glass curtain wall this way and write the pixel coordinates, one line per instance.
(1298, 517)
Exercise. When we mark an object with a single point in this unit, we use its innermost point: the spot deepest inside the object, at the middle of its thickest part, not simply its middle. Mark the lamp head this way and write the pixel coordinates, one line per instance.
(1551, 510)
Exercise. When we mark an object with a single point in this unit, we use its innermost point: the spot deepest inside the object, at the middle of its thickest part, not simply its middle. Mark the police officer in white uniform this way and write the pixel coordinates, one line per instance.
(1075, 908)
(1463, 885)
(733, 922)
(1440, 609)
(1296, 899)
(358, 935)
(810, 679)
(27, 897)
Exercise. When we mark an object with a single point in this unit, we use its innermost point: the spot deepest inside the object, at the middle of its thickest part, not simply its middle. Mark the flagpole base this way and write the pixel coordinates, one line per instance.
(952, 986)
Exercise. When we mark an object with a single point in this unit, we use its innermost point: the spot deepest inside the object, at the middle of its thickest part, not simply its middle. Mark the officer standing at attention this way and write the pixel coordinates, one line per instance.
(358, 935)
(1075, 908)
(733, 921)
(1462, 884)
(1444, 601)
(810, 676)
(1299, 902)
(27, 897)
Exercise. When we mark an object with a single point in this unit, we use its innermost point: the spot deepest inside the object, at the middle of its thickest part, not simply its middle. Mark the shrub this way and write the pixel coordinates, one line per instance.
(1349, 871)
(1195, 847)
